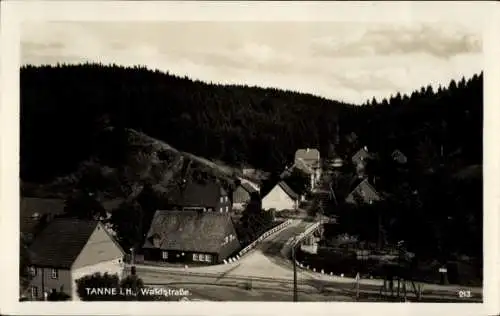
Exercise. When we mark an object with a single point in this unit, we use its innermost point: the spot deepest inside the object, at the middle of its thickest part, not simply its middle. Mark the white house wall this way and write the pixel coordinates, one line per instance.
(100, 254)
(99, 248)
(278, 199)
(239, 206)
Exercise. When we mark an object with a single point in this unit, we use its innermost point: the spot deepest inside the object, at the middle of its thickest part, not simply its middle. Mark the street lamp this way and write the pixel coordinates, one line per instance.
(295, 298)
(132, 259)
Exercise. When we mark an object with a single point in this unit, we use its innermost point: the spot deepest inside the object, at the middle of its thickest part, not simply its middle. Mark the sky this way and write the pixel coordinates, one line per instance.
(344, 61)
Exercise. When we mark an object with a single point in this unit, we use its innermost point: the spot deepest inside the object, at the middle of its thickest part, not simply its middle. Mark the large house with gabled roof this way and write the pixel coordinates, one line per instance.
(208, 196)
(190, 237)
(309, 161)
(363, 193)
(280, 197)
(68, 249)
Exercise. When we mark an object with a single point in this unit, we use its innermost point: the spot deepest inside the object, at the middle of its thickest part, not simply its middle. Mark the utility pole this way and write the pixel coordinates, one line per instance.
(295, 298)
(379, 229)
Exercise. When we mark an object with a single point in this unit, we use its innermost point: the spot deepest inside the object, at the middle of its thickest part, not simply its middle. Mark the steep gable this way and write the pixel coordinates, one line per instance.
(288, 190)
(364, 192)
(361, 156)
(100, 247)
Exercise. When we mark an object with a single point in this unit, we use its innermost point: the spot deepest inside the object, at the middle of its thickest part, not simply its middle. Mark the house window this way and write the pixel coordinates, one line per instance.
(226, 198)
(208, 258)
(164, 255)
(221, 209)
(195, 257)
(226, 240)
(32, 271)
(227, 209)
(201, 257)
(34, 292)
(54, 274)
(222, 199)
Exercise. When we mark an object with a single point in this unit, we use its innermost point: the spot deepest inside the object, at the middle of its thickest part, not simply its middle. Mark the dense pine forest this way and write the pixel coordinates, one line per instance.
(64, 107)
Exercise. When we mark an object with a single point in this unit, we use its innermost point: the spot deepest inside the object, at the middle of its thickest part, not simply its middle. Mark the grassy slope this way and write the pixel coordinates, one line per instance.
(145, 160)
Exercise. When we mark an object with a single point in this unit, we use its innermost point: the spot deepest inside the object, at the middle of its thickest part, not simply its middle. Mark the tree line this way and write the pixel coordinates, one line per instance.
(63, 107)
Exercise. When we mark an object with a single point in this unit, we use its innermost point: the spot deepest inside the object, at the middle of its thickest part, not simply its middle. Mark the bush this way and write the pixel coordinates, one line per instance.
(97, 280)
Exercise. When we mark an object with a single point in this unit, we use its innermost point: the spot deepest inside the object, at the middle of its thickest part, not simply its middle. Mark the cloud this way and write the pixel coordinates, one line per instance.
(442, 41)
(345, 61)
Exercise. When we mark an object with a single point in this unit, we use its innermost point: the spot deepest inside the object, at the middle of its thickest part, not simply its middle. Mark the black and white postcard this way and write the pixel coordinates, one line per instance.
(250, 152)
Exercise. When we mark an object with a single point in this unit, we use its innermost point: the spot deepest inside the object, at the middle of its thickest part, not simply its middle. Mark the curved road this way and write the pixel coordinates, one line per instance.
(266, 274)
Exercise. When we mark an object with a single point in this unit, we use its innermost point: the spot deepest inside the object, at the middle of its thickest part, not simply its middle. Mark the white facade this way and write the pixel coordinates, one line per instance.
(100, 254)
(278, 199)
(239, 206)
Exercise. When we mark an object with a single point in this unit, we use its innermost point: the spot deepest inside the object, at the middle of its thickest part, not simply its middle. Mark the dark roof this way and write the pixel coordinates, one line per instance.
(60, 243)
(248, 187)
(399, 157)
(32, 209)
(199, 194)
(364, 191)
(189, 231)
(288, 190)
(308, 154)
(111, 205)
(361, 155)
(304, 166)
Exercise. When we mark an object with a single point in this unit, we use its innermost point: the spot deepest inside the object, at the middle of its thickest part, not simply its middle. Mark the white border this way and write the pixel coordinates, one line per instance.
(13, 12)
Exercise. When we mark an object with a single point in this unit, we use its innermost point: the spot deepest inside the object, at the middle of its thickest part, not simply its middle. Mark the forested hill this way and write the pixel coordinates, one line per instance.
(63, 106)
(448, 119)
(63, 109)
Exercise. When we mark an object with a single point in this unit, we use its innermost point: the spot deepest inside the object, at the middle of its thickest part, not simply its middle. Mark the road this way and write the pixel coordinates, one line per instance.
(266, 274)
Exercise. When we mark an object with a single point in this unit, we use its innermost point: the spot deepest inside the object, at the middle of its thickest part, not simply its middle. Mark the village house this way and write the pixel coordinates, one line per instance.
(242, 195)
(308, 160)
(35, 213)
(361, 156)
(281, 197)
(399, 157)
(209, 196)
(360, 159)
(68, 249)
(351, 138)
(190, 237)
(363, 193)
